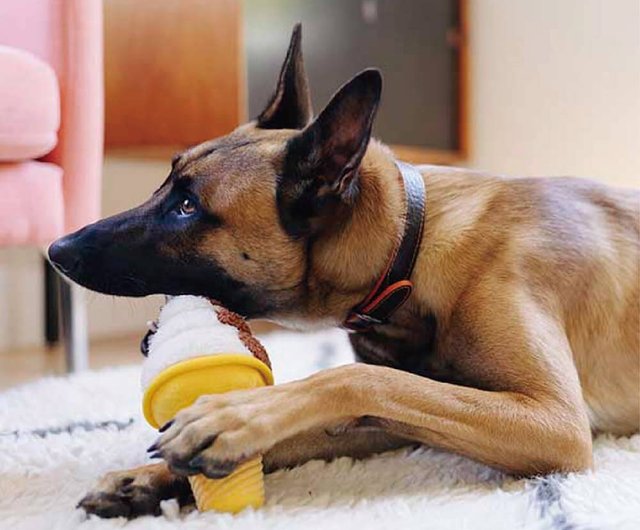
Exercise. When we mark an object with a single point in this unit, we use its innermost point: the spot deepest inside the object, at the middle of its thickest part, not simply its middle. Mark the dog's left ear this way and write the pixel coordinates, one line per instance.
(321, 164)
(290, 105)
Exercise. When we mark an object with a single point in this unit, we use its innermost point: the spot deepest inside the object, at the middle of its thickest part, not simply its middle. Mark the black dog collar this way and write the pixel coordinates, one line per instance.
(394, 286)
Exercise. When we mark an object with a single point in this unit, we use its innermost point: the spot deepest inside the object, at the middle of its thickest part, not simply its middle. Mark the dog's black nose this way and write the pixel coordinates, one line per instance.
(63, 255)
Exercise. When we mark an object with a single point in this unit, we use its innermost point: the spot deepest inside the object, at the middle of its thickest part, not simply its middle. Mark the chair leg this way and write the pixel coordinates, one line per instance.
(75, 336)
(51, 304)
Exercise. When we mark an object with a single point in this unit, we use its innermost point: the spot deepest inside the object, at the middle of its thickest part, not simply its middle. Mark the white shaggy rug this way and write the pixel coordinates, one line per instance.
(58, 435)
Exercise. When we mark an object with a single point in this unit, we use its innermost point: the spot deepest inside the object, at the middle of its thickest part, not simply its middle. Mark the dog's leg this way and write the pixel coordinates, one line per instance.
(135, 492)
(330, 443)
(525, 416)
(520, 432)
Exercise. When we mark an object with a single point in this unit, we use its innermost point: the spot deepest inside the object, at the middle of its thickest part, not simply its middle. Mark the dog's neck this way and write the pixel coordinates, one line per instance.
(346, 263)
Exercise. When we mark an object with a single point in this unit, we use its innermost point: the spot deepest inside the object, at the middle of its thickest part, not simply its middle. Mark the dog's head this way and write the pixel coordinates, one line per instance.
(234, 218)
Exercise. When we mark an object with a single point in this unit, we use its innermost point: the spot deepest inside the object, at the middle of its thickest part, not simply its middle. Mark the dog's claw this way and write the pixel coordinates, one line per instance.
(220, 469)
(212, 469)
(182, 468)
(166, 426)
(115, 505)
(126, 491)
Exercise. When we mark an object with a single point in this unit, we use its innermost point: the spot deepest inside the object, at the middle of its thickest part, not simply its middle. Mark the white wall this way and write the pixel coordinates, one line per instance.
(21, 286)
(555, 87)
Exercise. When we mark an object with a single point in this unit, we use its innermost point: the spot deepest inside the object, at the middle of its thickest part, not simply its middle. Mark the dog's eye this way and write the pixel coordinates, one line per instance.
(187, 207)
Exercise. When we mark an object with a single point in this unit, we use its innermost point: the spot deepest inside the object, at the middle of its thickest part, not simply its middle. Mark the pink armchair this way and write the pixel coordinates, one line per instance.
(51, 131)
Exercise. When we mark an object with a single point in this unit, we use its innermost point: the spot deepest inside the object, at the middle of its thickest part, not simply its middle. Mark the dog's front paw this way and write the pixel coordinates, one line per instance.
(135, 492)
(219, 432)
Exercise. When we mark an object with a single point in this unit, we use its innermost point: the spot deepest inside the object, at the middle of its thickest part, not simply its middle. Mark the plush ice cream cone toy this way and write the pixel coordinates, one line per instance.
(202, 348)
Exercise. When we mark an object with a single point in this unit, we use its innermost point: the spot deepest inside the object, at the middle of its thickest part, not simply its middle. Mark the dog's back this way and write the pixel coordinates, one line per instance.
(576, 245)
(601, 297)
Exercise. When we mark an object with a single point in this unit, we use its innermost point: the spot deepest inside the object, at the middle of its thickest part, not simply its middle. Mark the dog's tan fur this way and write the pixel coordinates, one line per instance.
(525, 315)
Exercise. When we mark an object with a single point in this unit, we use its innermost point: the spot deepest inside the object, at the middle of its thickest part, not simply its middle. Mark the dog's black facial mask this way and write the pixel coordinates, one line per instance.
(157, 249)
(153, 249)
(233, 220)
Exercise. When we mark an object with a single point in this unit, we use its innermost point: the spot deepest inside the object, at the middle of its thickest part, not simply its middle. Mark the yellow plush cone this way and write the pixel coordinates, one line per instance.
(178, 387)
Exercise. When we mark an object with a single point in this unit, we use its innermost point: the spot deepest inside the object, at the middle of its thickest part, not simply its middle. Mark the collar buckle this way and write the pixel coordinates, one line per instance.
(360, 322)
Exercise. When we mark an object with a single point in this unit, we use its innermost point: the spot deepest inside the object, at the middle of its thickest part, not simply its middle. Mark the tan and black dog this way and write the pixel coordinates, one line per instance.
(520, 338)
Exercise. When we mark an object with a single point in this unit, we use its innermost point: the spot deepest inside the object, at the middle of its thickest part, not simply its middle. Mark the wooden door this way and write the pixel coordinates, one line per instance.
(419, 45)
(173, 71)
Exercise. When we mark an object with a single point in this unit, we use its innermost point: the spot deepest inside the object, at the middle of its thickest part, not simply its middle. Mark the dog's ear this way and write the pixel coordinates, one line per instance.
(290, 105)
(321, 164)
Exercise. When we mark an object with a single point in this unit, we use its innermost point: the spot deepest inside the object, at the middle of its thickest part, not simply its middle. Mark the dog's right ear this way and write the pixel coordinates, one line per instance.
(320, 170)
(290, 105)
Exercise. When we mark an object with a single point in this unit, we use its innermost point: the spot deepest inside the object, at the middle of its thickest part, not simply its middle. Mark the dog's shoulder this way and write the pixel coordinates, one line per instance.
(529, 227)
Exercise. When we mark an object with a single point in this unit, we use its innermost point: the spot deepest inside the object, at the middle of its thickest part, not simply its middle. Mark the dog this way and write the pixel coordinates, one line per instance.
(517, 335)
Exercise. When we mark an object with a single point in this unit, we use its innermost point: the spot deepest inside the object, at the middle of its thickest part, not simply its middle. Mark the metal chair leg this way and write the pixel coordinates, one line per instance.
(75, 336)
(51, 304)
